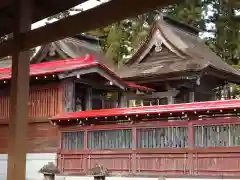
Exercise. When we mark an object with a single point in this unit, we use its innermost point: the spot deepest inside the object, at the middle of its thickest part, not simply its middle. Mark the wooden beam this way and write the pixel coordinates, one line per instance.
(19, 95)
(169, 93)
(96, 85)
(102, 15)
(4, 3)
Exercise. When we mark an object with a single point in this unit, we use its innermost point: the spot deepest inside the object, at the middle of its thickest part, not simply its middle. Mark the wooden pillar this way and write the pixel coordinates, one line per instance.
(18, 123)
(88, 99)
(122, 100)
(134, 147)
(171, 100)
(191, 97)
(190, 146)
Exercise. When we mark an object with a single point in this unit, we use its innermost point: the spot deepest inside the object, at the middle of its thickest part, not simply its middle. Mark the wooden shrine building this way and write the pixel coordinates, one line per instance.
(194, 140)
(76, 46)
(175, 62)
(16, 17)
(56, 87)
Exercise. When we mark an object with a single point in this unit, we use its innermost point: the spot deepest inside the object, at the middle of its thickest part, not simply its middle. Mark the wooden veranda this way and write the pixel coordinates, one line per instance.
(16, 17)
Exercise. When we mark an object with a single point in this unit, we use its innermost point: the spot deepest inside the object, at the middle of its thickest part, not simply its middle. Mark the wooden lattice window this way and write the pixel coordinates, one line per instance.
(165, 137)
(217, 135)
(110, 139)
(72, 140)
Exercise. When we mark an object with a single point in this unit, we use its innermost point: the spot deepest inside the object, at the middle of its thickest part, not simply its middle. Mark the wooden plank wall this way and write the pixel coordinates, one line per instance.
(42, 138)
(45, 101)
(188, 160)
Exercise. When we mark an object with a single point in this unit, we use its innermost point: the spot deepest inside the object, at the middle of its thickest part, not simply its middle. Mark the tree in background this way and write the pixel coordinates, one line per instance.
(226, 34)
(120, 40)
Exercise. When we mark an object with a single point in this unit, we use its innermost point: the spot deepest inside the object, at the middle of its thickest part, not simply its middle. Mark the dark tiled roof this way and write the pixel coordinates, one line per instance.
(72, 47)
(187, 52)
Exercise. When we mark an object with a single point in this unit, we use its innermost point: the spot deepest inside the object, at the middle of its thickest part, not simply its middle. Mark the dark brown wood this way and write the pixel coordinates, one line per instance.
(43, 137)
(57, 30)
(88, 100)
(5, 3)
(69, 95)
(190, 160)
(44, 101)
(42, 9)
(158, 162)
(19, 94)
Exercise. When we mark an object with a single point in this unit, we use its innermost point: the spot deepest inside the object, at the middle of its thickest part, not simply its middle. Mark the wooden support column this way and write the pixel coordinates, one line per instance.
(170, 100)
(18, 123)
(191, 97)
(122, 100)
(134, 147)
(88, 99)
(170, 97)
(190, 146)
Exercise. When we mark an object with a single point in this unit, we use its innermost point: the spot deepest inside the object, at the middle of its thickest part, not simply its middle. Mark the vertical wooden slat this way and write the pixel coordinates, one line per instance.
(1, 106)
(134, 147)
(189, 156)
(43, 101)
(85, 157)
(51, 107)
(60, 99)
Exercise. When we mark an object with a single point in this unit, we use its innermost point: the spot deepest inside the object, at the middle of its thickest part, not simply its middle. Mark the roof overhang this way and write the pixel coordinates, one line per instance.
(149, 112)
(179, 75)
(62, 69)
(224, 75)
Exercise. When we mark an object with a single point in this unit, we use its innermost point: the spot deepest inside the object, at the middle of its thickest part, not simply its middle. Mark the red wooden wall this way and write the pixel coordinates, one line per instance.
(217, 161)
(45, 101)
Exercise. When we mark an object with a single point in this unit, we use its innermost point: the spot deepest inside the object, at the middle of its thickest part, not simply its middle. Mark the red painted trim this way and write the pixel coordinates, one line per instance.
(199, 107)
(153, 124)
(60, 66)
(217, 121)
(149, 151)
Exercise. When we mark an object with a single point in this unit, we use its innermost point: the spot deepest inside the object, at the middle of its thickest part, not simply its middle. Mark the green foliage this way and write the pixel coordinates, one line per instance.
(189, 12)
(226, 35)
(119, 40)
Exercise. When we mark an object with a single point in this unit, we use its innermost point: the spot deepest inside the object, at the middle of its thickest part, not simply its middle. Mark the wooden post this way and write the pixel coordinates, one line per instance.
(190, 146)
(19, 95)
(122, 100)
(191, 97)
(134, 147)
(89, 99)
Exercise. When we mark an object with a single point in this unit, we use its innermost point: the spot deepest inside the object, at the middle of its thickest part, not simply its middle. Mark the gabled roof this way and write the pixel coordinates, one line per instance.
(197, 107)
(72, 47)
(56, 68)
(188, 53)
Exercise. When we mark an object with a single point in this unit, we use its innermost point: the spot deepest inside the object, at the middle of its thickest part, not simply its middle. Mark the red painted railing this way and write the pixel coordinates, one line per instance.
(218, 162)
(193, 161)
